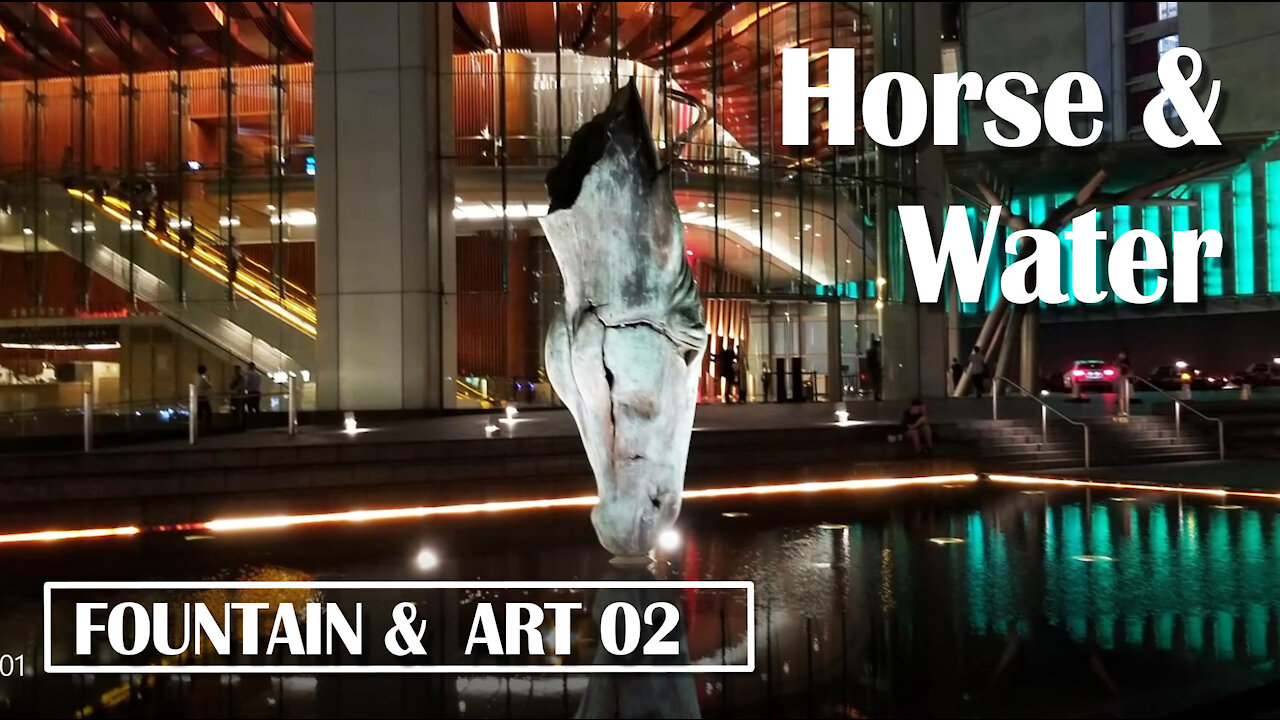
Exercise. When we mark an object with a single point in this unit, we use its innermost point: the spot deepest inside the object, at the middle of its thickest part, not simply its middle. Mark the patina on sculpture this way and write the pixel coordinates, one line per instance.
(625, 351)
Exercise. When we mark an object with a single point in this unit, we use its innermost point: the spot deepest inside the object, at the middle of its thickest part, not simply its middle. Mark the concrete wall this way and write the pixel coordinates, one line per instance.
(1236, 39)
(1238, 43)
(1043, 40)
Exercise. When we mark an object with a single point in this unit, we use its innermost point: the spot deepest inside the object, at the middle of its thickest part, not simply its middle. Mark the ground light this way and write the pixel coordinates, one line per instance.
(426, 560)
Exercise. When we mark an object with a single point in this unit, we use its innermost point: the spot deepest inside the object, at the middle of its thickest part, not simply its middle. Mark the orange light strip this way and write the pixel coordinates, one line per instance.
(826, 485)
(356, 516)
(52, 535)
(1063, 482)
(279, 521)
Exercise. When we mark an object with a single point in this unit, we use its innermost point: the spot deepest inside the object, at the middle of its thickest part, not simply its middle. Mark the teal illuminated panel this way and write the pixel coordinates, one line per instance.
(1151, 222)
(1273, 226)
(1211, 219)
(1121, 223)
(844, 289)
(897, 259)
(999, 259)
(975, 231)
(1067, 269)
(1242, 228)
(1180, 217)
(1037, 211)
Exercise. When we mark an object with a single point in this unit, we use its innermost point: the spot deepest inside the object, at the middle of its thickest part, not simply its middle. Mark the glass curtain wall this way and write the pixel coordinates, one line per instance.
(157, 201)
(775, 235)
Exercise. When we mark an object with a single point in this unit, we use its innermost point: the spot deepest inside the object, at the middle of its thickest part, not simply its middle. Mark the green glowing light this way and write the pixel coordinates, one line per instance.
(1121, 223)
(1211, 219)
(1242, 228)
(1151, 222)
(1273, 226)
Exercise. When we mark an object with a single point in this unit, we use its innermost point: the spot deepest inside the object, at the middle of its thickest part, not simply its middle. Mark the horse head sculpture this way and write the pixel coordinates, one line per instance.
(626, 350)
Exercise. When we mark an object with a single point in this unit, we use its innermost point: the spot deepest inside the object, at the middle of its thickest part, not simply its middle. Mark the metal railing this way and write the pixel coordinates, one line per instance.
(83, 418)
(1045, 409)
(194, 399)
(1178, 404)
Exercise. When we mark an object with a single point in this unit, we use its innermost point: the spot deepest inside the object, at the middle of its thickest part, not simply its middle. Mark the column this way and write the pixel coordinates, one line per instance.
(914, 334)
(385, 263)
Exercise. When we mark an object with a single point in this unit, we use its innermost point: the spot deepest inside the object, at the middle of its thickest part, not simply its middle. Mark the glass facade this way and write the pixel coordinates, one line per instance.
(157, 209)
(158, 197)
(775, 234)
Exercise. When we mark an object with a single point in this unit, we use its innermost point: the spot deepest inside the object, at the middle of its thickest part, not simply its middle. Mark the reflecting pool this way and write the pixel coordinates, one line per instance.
(963, 600)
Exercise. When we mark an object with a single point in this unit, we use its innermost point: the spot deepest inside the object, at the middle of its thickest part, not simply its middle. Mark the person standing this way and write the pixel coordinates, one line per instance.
(875, 369)
(68, 168)
(253, 391)
(977, 371)
(97, 185)
(204, 411)
(237, 392)
(957, 372)
(727, 368)
(1124, 369)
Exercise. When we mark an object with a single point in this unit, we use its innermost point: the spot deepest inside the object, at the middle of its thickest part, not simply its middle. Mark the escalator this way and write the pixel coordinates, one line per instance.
(271, 321)
(258, 317)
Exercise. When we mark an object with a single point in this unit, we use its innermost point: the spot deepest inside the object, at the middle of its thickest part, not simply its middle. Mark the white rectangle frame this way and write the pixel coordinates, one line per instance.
(748, 586)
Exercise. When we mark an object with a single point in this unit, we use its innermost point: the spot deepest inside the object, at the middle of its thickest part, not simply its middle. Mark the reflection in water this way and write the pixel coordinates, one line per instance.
(940, 602)
(1125, 575)
(640, 695)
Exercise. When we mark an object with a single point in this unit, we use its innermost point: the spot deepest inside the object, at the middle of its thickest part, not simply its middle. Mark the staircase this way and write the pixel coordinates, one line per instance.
(1151, 439)
(1019, 445)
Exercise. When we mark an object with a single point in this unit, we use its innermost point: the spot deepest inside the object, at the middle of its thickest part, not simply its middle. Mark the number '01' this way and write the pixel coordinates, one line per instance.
(11, 665)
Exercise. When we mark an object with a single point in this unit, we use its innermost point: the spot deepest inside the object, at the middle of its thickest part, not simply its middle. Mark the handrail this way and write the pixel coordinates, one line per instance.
(1178, 404)
(1045, 409)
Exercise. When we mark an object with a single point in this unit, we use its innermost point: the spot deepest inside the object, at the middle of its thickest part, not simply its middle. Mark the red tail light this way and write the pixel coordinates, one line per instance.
(1077, 373)
(1108, 372)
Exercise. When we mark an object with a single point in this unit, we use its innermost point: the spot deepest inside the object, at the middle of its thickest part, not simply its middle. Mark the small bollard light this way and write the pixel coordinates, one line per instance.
(490, 428)
(1186, 391)
(349, 425)
(842, 413)
(510, 416)
(1246, 392)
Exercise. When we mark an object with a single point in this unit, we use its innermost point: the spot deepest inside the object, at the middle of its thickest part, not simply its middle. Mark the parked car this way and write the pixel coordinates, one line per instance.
(1260, 374)
(1090, 375)
(1171, 377)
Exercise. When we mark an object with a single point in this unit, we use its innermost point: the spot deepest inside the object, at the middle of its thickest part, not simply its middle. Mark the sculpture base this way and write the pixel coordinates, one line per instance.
(630, 561)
